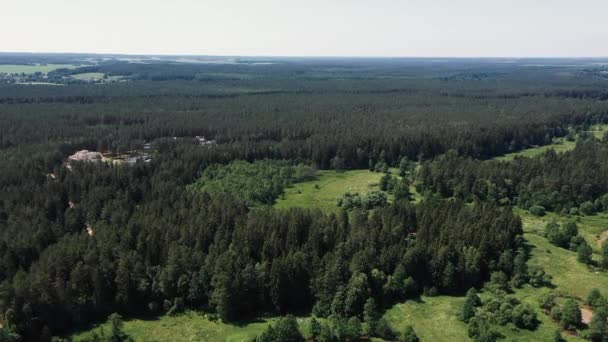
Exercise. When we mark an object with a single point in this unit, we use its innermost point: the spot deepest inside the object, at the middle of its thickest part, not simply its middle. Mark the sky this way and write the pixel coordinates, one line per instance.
(391, 28)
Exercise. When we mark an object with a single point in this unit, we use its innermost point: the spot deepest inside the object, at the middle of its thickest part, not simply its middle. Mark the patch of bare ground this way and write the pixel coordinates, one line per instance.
(586, 315)
(90, 230)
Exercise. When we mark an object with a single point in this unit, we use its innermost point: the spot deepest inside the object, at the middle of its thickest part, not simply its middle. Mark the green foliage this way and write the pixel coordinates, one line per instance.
(537, 210)
(370, 317)
(570, 314)
(565, 236)
(539, 278)
(584, 253)
(595, 299)
(604, 255)
(116, 329)
(8, 336)
(315, 329)
(587, 208)
(284, 330)
(355, 201)
(260, 182)
(558, 337)
(480, 331)
(598, 328)
(409, 335)
(524, 317)
(383, 330)
(549, 182)
(150, 241)
(471, 302)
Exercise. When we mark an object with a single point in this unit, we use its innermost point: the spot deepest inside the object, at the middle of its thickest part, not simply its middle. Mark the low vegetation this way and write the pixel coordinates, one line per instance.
(260, 182)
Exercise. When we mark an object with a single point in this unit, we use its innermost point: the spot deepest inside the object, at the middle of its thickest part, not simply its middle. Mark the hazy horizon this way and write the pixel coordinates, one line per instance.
(316, 28)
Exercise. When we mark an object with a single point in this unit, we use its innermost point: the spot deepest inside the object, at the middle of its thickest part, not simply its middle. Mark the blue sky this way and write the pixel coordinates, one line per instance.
(455, 28)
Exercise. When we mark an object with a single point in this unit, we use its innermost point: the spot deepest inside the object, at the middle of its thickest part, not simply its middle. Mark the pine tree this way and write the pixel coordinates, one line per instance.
(584, 253)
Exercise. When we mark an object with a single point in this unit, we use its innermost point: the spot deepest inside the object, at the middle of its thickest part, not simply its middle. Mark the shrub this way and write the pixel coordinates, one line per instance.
(383, 330)
(523, 316)
(409, 335)
(595, 299)
(570, 315)
(584, 253)
(587, 208)
(284, 330)
(537, 210)
(480, 331)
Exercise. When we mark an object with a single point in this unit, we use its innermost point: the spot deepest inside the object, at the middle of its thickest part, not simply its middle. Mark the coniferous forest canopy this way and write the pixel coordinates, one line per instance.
(192, 227)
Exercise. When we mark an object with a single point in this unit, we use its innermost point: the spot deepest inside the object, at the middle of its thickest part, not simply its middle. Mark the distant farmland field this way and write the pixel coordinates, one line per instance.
(30, 69)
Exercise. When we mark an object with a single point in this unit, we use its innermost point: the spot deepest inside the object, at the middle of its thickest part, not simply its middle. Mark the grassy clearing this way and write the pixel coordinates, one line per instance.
(324, 192)
(559, 145)
(30, 69)
(191, 326)
(89, 76)
(569, 276)
(546, 328)
(590, 227)
(433, 318)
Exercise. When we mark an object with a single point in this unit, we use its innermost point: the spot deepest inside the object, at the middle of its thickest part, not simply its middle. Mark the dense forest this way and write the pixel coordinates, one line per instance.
(193, 227)
(569, 182)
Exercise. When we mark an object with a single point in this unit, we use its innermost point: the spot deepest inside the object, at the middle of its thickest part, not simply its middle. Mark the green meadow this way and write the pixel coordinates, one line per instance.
(328, 188)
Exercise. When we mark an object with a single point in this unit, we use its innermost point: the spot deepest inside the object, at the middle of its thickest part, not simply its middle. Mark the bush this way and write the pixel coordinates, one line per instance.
(547, 302)
(570, 315)
(604, 254)
(556, 313)
(595, 299)
(480, 331)
(557, 337)
(383, 330)
(409, 335)
(284, 330)
(598, 328)
(584, 253)
(524, 317)
(537, 210)
(587, 208)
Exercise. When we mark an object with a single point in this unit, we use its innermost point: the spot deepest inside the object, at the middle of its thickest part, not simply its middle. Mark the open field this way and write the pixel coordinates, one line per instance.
(433, 318)
(89, 76)
(569, 275)
(331, 186)
(191, 326)
(30, 69)
(324, 192)
(592, 227)
(559, 145)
